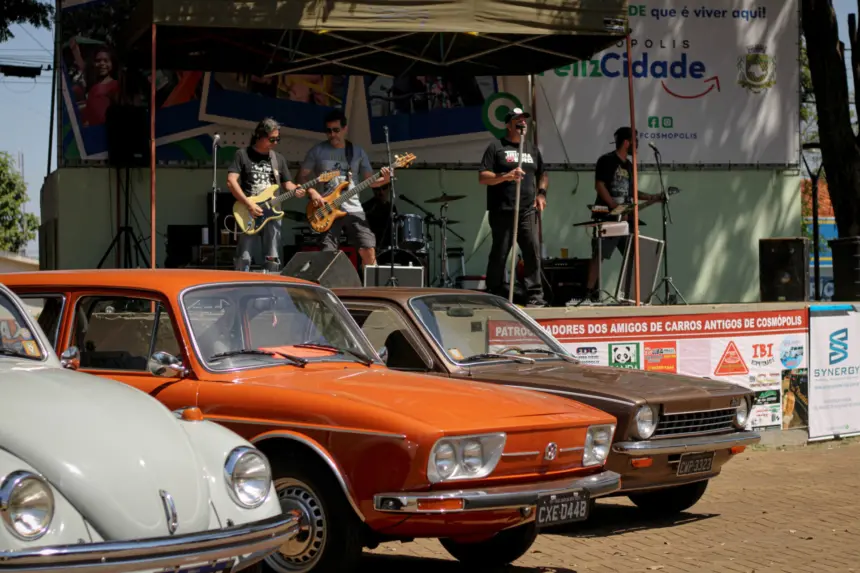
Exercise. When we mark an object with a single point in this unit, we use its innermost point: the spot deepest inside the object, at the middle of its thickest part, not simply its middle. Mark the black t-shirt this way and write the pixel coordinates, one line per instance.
(255, 170)
(616, 175)
(500, 157)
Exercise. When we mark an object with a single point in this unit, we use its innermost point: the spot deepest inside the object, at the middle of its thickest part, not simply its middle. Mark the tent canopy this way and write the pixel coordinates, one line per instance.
(377, 37)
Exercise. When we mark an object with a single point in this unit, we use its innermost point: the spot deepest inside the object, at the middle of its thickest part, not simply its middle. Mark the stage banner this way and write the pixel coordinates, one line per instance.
(764, 351)
(834, 385)
(715, 82)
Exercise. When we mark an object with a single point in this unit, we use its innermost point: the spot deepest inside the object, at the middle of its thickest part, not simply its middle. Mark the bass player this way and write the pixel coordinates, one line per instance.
(336, 153)
(255, 168)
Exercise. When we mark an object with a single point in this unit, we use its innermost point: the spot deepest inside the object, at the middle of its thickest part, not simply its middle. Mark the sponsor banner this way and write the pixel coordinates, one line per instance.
(834, 381)
(767, 410)
(710, 76)
(661, 356)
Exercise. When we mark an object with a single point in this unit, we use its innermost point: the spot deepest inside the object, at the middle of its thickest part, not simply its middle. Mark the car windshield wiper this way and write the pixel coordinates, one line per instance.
(361, 357)
(563, 356)
(492, 355)
(297, 360)
(10, 352)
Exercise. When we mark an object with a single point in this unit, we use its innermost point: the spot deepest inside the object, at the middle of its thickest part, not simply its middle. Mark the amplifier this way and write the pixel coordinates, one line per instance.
(407, 276)
(564, 279)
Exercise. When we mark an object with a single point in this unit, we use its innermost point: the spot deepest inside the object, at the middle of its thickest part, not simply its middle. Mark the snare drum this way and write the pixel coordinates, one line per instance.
(410, 232)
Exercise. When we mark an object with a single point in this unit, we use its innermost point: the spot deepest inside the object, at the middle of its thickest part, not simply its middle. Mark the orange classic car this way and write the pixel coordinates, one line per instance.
(365, 453)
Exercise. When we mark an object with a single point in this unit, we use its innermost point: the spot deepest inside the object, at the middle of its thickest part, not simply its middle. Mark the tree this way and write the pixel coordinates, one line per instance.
(840, 147)
(38, 13)
(17, 228)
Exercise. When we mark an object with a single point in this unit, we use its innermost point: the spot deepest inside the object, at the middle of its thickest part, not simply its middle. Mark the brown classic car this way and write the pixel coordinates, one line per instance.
(674, 432)
(364, 453)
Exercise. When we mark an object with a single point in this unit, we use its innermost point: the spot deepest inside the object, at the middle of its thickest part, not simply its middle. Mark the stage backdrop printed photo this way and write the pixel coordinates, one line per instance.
(714, 82)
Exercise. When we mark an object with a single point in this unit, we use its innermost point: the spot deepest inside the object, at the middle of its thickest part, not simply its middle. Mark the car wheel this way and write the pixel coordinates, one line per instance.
(506, 547)
(670, 501)
(329, 538)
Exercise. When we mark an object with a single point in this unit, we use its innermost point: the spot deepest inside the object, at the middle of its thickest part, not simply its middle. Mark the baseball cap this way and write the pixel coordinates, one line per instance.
(516, 112)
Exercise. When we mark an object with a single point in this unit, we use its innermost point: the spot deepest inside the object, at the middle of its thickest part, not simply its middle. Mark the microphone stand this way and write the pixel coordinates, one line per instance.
(215, 201)
(513, 276)
(667, 218)
(392, 197)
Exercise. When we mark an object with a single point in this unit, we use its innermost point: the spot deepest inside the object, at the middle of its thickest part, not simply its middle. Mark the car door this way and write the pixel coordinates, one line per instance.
(117, 334)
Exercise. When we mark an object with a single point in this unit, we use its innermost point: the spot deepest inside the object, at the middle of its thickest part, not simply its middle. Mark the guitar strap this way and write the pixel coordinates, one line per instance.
(349, 151)
(274, 161)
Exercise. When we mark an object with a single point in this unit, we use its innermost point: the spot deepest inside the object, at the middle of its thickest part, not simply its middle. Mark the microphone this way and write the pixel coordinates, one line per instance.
(215, 140)
(654, 147)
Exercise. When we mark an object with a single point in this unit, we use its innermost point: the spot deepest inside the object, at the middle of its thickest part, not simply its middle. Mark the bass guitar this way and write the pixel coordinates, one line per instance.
(268, 202)
(323, 217)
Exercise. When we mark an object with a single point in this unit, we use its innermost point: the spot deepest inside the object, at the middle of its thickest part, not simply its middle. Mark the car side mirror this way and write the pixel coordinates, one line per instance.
(71, 358)
(167, 365)
(383, 353)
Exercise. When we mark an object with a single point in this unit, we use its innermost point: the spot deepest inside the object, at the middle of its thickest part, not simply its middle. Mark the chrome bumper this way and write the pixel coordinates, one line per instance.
(249, 543)
(502, 497)
(686, 445)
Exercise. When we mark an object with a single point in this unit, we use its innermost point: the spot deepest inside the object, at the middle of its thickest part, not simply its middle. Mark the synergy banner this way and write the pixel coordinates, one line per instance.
(714, 82)
(834, 381)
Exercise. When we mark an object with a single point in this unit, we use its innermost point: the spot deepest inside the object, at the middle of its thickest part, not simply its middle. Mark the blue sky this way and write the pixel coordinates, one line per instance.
(25, 104)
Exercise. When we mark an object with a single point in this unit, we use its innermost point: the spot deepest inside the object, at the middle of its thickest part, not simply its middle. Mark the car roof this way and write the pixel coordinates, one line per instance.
(168, 281)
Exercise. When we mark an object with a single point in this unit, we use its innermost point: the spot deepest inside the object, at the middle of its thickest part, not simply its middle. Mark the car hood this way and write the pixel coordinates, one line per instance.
(107, 447)
(635, 386)
(445, 405)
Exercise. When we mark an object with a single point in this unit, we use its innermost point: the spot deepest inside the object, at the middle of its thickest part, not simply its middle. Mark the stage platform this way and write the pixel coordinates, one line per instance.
(766, 347)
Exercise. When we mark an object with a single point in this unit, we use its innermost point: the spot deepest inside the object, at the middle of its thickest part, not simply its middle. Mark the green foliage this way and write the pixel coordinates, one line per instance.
(38, 13)
(17, 228)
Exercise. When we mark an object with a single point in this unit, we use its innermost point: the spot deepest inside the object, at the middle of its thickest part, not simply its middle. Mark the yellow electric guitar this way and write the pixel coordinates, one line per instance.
(266, 200)
(322, 218)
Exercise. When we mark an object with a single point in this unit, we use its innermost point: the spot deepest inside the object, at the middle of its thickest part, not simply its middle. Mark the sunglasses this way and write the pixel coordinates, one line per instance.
(332, 130)
(274, 139)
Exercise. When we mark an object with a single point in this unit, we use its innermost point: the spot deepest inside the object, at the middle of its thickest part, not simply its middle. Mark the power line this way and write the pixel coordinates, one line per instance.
(36, 40)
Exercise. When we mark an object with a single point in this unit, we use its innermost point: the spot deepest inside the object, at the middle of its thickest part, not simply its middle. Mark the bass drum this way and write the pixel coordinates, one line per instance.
(405, 259)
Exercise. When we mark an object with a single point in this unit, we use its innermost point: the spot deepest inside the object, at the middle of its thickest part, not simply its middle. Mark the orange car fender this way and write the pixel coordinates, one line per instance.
(320, 451)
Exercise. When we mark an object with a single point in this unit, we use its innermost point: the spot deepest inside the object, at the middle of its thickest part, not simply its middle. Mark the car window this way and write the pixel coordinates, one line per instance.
(47, 310)
(385, 327)
(116, 333)
(16, 339)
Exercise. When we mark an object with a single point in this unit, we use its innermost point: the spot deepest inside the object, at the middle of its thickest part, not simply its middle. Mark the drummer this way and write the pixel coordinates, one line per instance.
(378, 212)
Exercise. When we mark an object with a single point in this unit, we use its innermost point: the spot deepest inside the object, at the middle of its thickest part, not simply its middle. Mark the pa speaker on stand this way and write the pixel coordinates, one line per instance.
(784, 269)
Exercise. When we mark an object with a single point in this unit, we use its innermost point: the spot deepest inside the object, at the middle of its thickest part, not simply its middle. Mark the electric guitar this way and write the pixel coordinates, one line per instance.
(250, 225)
(322, 218)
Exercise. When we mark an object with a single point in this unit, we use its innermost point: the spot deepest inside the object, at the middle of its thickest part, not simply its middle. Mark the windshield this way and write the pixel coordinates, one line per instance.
(469, 327)
(268, 324)
(16, 338)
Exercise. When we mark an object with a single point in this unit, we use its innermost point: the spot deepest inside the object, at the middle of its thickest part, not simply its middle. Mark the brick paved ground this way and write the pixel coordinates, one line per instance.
(794, 511)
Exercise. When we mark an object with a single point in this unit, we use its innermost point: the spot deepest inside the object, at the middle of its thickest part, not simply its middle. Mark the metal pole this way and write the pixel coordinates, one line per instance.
(152, 156)
(635, 169)
(54, 85)
(815, 237)
(513, 274)
(539, 215)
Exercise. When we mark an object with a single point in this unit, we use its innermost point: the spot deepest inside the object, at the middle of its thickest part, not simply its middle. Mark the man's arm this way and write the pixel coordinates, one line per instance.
(233, 172)
(367, 171)
(603, 172)
(486, 175)
(542, 175)
(603, 193)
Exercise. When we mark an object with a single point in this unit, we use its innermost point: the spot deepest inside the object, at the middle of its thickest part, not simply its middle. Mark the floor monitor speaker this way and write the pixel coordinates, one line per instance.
(331, 269)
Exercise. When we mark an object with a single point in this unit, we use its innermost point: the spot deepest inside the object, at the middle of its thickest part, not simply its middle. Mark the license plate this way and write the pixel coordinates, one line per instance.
(695, 463)
(558, 508)
(218, 567)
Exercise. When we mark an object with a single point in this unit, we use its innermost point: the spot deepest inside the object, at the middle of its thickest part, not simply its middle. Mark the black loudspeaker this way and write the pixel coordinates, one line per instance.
(846, 268)
(127, 130)
(564, 279)
(784, 269)
(331, 269)
(650, 261)
(181, 240)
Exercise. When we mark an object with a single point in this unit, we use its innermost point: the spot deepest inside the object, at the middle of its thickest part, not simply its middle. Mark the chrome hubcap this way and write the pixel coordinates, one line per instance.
(302, 552)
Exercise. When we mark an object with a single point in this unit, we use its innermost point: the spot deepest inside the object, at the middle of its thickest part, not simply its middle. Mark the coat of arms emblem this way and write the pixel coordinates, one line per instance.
(757, 69)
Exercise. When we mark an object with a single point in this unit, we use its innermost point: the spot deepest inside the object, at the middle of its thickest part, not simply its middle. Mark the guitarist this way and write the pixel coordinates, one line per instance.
(612, 176)
(255, 168)
(339, 154)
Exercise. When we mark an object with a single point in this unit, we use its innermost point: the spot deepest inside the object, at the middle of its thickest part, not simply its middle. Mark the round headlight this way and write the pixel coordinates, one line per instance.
(248, 477)
(473, 456)
(27, 505)
(742, 413)
(446, 460)
(646, 422)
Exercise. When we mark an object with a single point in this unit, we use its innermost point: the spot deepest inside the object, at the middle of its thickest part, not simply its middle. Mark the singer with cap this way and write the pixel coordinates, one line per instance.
(499, 172)
(612, 182)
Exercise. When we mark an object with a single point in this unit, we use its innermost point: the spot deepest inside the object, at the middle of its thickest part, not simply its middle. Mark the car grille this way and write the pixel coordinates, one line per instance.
(709, 422)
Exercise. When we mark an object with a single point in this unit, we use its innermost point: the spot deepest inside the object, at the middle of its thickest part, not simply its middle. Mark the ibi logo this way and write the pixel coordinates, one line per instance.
(838, 346)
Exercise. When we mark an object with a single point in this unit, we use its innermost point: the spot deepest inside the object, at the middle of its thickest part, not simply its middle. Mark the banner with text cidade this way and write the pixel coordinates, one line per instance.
(713, 82)
(834, 371)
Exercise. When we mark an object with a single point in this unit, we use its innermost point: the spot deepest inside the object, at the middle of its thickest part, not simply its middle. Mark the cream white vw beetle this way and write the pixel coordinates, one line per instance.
(96, 476)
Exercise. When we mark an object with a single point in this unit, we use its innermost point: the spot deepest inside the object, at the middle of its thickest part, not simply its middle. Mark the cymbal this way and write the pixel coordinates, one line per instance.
(444, 198)
(439, 223)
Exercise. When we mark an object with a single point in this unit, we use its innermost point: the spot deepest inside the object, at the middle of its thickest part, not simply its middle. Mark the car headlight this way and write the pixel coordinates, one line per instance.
(742, 413)
(26, 504)
(645, 422)
(248, 476)
(598, 440)
(465, 457)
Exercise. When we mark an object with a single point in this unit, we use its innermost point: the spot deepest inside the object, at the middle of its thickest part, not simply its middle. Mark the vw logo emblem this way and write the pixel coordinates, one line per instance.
(551, 451)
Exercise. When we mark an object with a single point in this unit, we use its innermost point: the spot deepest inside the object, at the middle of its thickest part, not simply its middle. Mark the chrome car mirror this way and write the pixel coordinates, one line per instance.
(71, 358)
(166, 365)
